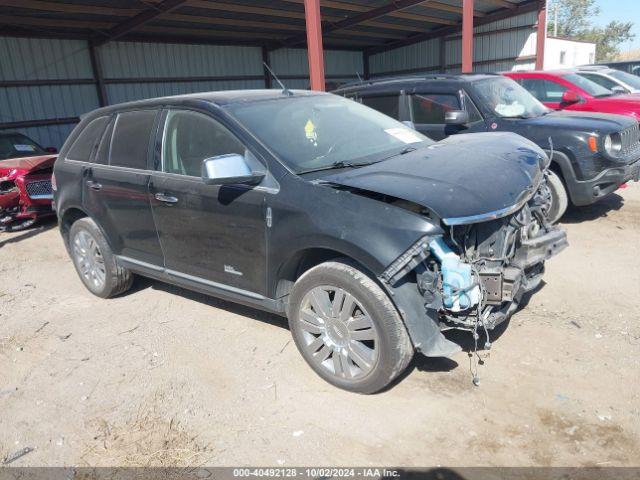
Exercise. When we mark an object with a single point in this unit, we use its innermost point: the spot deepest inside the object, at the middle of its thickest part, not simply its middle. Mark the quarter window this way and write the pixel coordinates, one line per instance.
(82, 148)
(190, 138)
(430, 108)
(387, 104)
(131, 138)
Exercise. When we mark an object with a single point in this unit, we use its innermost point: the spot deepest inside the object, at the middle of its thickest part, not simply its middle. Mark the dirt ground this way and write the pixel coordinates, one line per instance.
(162, 376)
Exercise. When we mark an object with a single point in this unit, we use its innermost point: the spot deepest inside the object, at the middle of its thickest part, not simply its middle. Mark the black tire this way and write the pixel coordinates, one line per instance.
(393, 346)
(117, 279)
(559, 197)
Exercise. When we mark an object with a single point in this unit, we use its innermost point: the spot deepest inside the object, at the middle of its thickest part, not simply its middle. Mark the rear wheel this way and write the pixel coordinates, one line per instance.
(95, 262)
(559, 197)
(347, 329)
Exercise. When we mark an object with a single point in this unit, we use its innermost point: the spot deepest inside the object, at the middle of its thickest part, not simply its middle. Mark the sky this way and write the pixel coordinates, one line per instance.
(624, 11)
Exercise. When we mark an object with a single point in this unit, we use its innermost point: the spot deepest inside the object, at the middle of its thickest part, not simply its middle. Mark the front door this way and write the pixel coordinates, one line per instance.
(208, 233)
(428, 114)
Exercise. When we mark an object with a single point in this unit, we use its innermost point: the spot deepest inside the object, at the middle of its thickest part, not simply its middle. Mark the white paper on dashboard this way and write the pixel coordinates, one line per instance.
(404, 135)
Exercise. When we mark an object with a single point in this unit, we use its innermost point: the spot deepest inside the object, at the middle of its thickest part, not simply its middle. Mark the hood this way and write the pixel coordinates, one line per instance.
(463, 179)
(630, 101)
(584, 121)
(27, 164)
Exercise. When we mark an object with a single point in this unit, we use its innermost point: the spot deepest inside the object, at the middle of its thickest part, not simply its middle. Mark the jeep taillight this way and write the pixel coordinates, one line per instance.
(54, 185)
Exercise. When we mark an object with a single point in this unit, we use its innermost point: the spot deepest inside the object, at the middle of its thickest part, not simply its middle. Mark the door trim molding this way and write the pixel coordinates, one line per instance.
(208, 287)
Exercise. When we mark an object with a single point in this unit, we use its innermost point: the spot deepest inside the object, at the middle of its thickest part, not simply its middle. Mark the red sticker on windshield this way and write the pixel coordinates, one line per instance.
(494, 126)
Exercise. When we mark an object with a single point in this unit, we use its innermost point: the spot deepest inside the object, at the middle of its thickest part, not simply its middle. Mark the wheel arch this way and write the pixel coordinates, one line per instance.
(304, 259)
(561, 164)
(68, 218)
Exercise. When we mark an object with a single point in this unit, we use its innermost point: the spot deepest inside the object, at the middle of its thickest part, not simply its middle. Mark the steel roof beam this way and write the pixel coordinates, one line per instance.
(363, 17)
(145, 16)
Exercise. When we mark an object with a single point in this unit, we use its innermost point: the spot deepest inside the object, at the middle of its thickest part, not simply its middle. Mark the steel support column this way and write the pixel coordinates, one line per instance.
(541, 34)
(314, 44)
(467, 36)
(96, 67)
(268, 81)
(366, 69)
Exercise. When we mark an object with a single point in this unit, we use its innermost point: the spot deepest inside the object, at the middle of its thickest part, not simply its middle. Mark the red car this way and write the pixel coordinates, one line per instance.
(25, 181)
(566, 90)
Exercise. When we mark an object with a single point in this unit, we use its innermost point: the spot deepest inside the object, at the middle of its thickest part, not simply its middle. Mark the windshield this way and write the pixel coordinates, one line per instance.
(320, 131)
(631, 80)
(14, 145)
(592, 88)
(508, 99)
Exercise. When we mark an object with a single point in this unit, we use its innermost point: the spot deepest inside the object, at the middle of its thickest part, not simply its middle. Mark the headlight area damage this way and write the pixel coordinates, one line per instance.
(474, 277)
(488, 193)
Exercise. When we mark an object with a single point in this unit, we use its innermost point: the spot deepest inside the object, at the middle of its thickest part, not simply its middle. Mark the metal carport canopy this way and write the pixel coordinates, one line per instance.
(369, 26)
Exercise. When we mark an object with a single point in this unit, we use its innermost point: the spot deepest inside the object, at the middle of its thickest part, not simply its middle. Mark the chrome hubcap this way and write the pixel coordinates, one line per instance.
(338, 332)
(89, 258)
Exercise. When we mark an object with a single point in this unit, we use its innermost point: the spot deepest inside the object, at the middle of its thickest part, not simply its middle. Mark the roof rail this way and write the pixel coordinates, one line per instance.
(416, 76)
(593, 67)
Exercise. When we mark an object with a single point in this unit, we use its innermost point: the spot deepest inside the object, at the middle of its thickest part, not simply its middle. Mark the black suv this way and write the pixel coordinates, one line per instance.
(311, 206)
(443, 105)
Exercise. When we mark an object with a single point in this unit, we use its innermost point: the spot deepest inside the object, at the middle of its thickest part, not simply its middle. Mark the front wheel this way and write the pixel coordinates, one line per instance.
(559, 197)
(347, 329)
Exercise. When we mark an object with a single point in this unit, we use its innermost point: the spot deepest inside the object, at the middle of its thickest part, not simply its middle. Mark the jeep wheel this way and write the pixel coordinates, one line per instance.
(94, 261)
(559, 197)
(347, 329)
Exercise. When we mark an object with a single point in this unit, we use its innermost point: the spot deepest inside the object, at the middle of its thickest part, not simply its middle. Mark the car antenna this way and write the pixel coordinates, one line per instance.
(285, 90)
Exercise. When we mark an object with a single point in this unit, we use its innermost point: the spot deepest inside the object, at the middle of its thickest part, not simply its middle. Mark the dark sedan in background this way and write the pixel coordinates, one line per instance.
(592, 154)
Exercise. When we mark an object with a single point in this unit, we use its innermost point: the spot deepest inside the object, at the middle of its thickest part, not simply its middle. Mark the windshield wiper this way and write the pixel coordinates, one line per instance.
(335, 166)
(404, 151)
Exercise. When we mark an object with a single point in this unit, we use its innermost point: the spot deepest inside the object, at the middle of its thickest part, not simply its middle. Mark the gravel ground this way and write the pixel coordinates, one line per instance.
(162, 376)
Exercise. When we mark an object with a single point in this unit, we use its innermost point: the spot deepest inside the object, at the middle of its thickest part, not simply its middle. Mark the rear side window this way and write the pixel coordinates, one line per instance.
(102, 155)
(387, 104)
(131, 138)
(84, 145)
(544, 90)
(430, 108)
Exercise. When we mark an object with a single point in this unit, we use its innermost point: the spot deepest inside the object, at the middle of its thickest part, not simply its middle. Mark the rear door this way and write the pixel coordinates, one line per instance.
(116, 187)
(210, 234)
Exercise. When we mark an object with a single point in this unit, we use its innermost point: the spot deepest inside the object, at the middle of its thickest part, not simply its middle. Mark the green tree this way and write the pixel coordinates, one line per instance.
(574, 21)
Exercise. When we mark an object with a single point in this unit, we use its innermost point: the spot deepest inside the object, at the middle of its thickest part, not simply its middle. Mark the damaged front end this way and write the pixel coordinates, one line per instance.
(476, 275)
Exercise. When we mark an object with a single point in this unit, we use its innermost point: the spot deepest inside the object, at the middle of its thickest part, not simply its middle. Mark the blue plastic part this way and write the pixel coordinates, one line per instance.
(457, 278)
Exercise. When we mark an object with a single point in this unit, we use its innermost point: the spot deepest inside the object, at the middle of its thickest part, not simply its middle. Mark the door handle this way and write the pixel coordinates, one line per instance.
(94, 185)
(161, 197)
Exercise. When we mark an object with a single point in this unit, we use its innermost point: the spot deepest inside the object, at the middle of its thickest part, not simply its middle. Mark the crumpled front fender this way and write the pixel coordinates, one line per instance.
(422, 323)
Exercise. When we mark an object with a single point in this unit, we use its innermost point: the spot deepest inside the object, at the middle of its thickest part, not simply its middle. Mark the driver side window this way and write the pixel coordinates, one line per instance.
(190, 137)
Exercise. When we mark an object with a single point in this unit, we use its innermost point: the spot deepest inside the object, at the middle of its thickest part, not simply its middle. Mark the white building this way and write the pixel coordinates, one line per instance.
(562, 53)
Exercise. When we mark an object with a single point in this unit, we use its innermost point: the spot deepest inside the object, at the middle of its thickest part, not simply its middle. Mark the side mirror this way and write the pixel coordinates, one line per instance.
(619, 90)
(456, 117)
(229, 169)
(51, 150)
(570, 96)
